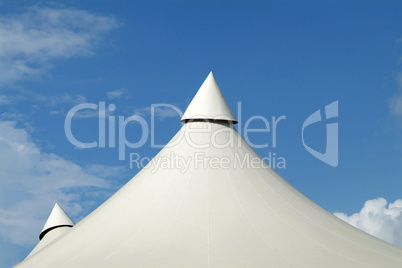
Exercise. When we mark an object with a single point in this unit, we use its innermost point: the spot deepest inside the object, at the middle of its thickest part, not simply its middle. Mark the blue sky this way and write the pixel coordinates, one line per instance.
(278, 58)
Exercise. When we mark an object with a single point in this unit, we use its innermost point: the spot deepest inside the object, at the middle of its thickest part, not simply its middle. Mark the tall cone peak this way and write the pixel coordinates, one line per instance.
(57, 218)
(209, 104)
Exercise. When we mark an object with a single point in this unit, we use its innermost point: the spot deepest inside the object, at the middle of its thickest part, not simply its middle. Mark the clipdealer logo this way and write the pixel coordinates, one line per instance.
(114, 128)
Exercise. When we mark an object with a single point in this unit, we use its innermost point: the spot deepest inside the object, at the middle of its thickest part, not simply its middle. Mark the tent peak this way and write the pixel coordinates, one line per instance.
(209, 104)
(57, 218)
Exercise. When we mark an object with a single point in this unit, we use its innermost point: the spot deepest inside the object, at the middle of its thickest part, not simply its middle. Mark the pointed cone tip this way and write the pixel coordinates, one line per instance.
(58, 217)
(209, 104)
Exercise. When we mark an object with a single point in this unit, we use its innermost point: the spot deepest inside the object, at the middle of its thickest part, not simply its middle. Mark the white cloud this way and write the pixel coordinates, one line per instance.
(91, 113)
(395, 105)
(161, 111)
(84, 114)
(105, 171)
(58, 100)
(9, 99)
(115, 94)
(4, 100)
(12, 117)
(32, 40)
(65, 98)
(378, 219)
(32, 181)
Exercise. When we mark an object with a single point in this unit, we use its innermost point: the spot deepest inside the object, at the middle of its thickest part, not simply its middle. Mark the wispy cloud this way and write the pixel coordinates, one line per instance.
(4, 100)
(116, 94)
(103, 171)
(379, 219)
(395, 105)
(10, 99)
(161, 111)
(7, 116)
(65, 99)
(85, 114)
(91, 113)
(395, 102)
(31, 41)
(57, 102)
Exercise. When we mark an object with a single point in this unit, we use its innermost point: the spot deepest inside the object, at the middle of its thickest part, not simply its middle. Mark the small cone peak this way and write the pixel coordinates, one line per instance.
(57, 218)
(209, 104)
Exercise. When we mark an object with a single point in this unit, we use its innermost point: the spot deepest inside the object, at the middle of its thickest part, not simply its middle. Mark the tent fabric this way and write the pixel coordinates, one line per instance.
(50, 237)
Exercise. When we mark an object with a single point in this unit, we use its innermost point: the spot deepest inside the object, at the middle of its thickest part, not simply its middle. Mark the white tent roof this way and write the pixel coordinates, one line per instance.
(212, 202)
